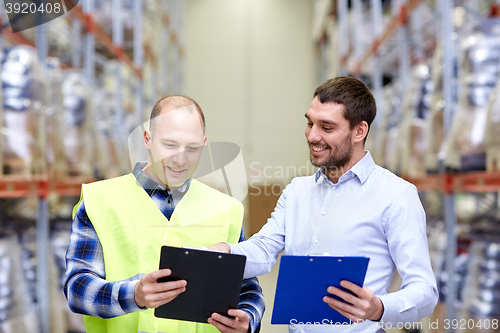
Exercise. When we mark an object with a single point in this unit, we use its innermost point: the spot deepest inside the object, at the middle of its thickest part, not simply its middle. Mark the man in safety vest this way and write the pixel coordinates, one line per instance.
(120, 225)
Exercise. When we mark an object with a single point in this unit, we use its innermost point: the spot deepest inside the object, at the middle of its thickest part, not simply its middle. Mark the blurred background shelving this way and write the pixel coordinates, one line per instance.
(72, 90)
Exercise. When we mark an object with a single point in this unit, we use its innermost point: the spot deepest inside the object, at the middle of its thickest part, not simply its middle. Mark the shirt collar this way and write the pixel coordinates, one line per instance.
(362, 169)
(149, 184)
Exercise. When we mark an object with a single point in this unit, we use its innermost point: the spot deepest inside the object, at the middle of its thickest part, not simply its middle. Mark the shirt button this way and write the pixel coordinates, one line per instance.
(323, 213)
(334, 187)
(316, 241)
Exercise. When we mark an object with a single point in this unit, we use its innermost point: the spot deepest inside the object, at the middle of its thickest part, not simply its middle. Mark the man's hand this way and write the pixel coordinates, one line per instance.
(151, 294)
(241, 322)
(220, 247)
(365, 306)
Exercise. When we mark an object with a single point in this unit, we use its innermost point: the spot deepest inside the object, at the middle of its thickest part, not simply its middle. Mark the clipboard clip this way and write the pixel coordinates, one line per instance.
(326, 254)
(202, 249)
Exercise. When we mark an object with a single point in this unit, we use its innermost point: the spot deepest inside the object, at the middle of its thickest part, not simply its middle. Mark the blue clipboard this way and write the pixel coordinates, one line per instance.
(302, 283)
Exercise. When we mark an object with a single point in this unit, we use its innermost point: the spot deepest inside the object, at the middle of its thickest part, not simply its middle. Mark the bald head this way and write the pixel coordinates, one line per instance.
(170, 103)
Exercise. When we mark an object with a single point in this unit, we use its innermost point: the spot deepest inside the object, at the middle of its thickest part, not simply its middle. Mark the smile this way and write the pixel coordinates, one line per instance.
(176, 170)
(318, 149)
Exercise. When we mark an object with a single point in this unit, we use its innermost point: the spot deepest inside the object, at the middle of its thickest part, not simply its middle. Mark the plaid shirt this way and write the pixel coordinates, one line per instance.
(85, 286)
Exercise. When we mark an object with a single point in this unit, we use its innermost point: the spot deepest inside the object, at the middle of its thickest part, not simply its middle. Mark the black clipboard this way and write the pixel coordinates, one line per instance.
(302, 283)
(213, 283)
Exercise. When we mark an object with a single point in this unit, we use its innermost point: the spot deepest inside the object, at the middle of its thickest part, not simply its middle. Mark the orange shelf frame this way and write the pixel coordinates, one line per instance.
(17, 187)
(482, 181)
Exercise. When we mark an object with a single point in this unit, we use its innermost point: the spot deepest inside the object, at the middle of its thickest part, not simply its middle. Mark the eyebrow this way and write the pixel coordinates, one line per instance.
(323, 121)
(189, 144)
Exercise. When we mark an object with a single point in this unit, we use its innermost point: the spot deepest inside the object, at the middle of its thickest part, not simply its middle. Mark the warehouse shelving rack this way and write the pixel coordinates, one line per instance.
(450, 183)
(82, 17)
(446, 183)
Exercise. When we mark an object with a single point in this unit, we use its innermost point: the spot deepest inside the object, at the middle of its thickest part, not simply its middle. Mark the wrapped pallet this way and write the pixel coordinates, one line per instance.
(24, 107)
(2, 139)
(390, 153)
(435, 119)
(59, 239)
(492, 140)
(106, 98)
(78, 136)
(378, 147)
(105, 121)
(17, 312)
(412, 138)
(482, 292)
(481, 68)
(29, 261)
(56, 160)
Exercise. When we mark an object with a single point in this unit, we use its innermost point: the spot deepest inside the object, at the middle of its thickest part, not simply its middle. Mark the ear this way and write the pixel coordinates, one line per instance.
(205, 141)
(360, 132)
(147, 139)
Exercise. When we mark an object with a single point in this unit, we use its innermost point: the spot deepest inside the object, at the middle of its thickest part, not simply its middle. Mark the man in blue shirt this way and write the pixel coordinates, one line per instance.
(350, 207)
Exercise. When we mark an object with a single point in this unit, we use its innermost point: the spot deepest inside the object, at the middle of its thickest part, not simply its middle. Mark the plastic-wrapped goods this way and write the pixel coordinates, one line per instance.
(17, 312)
(55, 120)
(412, 138)
(2, 139)
(437, 250)
(435, 130)
(492, 139)
(437, 246)
(29, 262)
(59, 239)
(77, 139)
(24, 103)
(389, 127)
(378, 148)
(483, 281)
(119, 153)
(105, 122)
(481, 69)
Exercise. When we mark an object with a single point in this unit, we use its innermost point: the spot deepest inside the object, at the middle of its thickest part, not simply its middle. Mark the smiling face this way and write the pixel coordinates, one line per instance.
(175, 146)
(330, 138)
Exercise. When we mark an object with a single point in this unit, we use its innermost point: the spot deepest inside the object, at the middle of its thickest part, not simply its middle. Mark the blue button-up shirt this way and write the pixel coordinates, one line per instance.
(370, 212)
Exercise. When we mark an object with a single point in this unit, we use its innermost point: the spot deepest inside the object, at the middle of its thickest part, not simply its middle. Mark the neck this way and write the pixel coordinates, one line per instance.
(335, 173)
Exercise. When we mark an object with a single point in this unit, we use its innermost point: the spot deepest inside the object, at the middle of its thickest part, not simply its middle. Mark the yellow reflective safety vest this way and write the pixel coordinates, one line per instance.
(132, 230)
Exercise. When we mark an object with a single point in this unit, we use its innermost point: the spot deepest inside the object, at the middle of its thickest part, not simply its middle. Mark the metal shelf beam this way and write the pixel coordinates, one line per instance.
(480, 181)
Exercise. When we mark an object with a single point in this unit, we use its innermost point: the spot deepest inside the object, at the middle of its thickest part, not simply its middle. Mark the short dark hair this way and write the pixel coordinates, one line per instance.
(357, 99)
(174, 102)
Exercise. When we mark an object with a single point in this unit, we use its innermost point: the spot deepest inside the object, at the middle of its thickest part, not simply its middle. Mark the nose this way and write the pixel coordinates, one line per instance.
(180, 158)
(312, 134)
